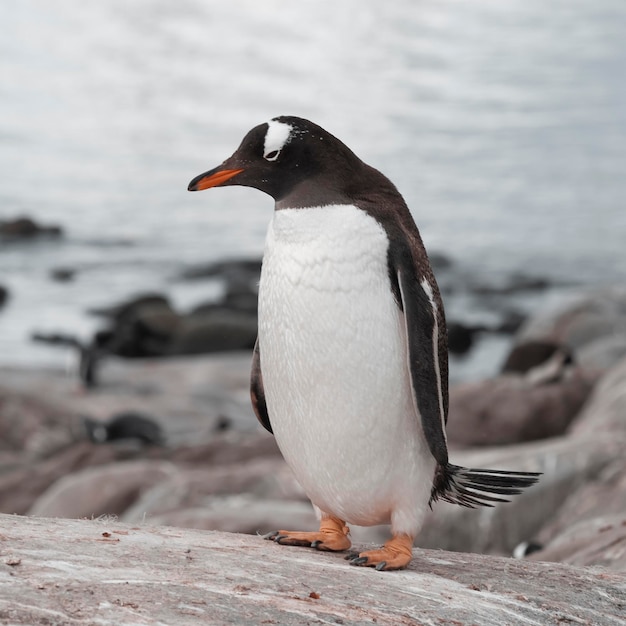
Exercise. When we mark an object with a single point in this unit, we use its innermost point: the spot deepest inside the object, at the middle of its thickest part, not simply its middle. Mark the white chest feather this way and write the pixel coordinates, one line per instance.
(334, 362)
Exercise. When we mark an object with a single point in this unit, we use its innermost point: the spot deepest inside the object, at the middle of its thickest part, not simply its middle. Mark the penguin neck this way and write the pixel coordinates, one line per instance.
(311, 193)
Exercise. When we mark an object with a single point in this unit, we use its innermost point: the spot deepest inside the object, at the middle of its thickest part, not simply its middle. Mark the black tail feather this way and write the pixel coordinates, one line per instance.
(478, 487)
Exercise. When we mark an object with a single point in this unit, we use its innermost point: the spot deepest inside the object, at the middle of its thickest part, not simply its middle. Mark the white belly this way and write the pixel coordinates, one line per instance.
(334, 363)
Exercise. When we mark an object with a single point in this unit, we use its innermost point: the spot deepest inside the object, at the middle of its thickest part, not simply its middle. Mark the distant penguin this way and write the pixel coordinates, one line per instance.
(350, 369)
(124, 426)
(541, 362)
(526, 548)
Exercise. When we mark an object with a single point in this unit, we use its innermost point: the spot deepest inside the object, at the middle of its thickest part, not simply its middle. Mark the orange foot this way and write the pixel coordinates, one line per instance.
(332, 535)
(395, 554)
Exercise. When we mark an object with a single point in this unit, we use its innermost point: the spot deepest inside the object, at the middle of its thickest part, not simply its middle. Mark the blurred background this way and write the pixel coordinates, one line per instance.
(502, 123)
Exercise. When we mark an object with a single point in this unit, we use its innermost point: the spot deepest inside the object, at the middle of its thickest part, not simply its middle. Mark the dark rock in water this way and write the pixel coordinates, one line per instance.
(141, 327)
(62, 274)
(128, 425)
(129, 307)
(461, 337)
(240, 278)
(514, 283)
(148, 326)
(223, 423)
(511, 322)
(242, 298)
(26, 228)
(214, 331)
(234, 270)
(4, 295)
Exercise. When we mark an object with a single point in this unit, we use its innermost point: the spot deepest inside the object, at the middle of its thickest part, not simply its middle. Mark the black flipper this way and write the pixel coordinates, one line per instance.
(478, 487)
(419, 299)
(417, 294)
(257, 393)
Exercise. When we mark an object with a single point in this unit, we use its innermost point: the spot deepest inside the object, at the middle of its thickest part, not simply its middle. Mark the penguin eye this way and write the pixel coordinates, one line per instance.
(271, 156)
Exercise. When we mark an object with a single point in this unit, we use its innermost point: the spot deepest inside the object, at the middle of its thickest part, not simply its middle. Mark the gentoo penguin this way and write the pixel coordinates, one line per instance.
(350, 368)
(127, 425)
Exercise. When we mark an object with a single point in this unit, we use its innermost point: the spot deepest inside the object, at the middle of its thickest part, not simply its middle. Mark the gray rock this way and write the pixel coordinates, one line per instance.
(30, 424)
(600, 541)
(24, 483)
(581, 321)
(513, 283)
(241, 514)
(603, 353)
(82, 572)
(142, 327)
(513, 409)
(604, 495)
(567, 463)
(606, 408)
(263, 477)
(189, 396)
(530, 354)
(215, 330)
(106, 490)
(230, 270)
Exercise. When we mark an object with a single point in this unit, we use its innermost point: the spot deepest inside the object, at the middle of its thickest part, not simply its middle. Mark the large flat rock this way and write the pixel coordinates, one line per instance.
(84, 572)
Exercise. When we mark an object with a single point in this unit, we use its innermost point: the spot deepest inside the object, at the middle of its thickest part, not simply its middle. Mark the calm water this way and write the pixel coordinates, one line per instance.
(502, 122)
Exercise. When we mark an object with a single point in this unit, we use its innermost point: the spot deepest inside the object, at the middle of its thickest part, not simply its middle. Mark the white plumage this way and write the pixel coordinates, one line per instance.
(335, 370)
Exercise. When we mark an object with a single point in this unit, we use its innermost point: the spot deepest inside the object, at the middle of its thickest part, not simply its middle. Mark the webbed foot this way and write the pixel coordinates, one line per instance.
(333, 536)
(395, 554)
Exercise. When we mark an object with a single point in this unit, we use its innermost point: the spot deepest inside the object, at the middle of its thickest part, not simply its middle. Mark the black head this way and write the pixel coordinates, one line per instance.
(282, 156)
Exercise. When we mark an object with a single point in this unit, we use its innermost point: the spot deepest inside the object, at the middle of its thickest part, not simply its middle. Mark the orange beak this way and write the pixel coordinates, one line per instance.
(213, 178)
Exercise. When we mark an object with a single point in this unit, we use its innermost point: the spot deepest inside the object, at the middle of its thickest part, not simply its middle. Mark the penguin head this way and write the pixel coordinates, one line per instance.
(280, 156)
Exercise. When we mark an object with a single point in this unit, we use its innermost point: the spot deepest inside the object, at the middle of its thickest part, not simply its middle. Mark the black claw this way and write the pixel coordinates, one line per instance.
(316, 543)
(381, 566)
(359, 560)
(278, 538)
(271, 536)
(351, 555)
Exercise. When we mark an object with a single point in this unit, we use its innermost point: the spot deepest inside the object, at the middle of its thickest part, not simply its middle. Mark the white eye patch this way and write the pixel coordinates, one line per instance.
(278, 134)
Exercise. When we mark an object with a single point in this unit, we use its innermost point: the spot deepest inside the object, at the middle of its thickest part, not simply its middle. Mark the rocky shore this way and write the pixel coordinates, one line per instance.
(154, 428)
(175, 442)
